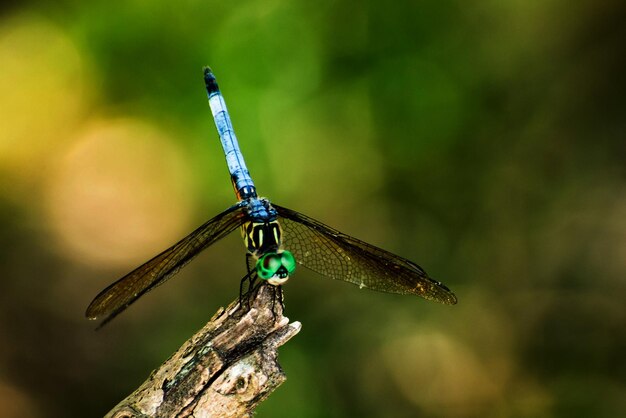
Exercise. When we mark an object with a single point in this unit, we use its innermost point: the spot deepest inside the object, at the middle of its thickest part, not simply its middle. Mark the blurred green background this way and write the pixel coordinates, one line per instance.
(484, 140)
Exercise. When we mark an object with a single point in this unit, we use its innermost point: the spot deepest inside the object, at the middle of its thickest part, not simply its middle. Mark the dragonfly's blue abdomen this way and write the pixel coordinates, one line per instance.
(242, 182)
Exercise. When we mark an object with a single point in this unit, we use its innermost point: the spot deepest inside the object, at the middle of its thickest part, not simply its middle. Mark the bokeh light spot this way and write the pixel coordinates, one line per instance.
(121, 193)
(15, 403)
(449, 376)
(41, 80)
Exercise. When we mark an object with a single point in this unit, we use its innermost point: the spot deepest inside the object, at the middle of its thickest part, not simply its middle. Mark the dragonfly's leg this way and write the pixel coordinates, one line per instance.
(242, 282)
(252, 283)
(251, 266)
(245, 295)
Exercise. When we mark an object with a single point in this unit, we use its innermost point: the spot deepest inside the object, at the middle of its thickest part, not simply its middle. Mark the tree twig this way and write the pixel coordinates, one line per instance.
(225, 370)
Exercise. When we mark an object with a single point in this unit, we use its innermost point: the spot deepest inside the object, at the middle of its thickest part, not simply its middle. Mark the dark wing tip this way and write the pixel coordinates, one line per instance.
(92, 312)
(443, 294)
(435, 291)
(451, 300)
(98, 306)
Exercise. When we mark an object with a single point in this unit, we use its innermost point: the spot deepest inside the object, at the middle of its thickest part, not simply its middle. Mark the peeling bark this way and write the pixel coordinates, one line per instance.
(225, 370)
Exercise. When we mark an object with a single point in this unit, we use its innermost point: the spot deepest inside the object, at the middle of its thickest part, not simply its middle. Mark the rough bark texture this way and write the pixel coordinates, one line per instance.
(224, 370)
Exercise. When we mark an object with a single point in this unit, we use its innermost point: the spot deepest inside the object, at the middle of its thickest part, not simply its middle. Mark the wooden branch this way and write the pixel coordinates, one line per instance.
(224, 370)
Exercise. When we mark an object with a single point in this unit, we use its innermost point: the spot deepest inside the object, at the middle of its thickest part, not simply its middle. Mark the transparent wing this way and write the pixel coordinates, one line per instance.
(342, 257)
(118, 296)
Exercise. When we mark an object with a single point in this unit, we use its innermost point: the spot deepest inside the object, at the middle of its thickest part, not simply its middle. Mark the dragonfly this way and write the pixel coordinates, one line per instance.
(276, 239)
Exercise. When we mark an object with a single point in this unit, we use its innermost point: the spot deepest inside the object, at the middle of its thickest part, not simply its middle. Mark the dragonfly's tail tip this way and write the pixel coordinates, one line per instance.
(209, 80)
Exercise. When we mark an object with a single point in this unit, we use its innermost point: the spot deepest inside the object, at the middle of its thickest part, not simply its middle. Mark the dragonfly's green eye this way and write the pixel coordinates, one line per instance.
(268, 265)
(276, 267)
(288, 261)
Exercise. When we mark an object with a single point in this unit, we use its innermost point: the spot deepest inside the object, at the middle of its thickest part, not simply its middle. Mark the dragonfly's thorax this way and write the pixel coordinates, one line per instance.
(261, 233)
(261, 237)
(260, 210)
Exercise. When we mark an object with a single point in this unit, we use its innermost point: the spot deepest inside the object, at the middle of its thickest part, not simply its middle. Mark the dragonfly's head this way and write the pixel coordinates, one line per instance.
(276, 267)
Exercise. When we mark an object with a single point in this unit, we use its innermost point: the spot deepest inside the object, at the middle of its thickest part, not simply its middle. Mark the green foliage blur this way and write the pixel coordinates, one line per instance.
(484, 140)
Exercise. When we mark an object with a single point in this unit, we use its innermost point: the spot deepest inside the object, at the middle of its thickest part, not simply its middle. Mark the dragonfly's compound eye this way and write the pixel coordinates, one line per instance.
(288, 261)
(276, 267)
(268, 265)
